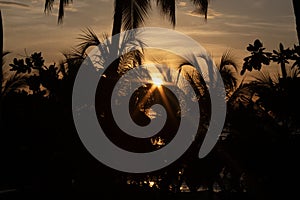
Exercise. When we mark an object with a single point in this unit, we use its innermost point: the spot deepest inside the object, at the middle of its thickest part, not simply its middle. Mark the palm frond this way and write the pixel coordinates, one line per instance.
(229, 80)
(168, 9)
(48, 5)
(132, 52)
(134, 13)
(227, 68)
(61, 11)
(130, 40)
(264, 77)
(203, 5)
(228, 60)
(130, 60)
(71, 64)
(195, 84)
(295, 73)
(13, 83)
(89, 39)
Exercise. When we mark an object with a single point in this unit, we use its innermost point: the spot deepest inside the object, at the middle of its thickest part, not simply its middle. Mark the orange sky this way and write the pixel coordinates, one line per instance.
(231, 24)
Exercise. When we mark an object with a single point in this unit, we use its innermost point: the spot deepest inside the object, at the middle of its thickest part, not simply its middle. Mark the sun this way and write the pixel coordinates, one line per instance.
(157, 81)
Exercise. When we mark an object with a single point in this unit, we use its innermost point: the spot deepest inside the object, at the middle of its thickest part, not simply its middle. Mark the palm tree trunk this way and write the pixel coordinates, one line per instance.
(283, 71)
(117, 23)
(1, 52)
(117, 27)
(1, 65)
(296, 4)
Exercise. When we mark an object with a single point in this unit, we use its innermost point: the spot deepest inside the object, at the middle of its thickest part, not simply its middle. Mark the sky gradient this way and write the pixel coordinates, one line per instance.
(231, 24)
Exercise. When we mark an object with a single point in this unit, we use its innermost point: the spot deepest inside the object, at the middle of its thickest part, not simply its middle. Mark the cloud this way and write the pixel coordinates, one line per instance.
(71, 9)
(259, 25)
(204, 32)
(259, 4)
(211, 14)
(182, 4)
(14, 4)
(234, 24)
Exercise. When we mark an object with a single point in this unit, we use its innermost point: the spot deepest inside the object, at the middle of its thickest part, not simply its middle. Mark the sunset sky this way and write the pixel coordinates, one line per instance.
(231, 24)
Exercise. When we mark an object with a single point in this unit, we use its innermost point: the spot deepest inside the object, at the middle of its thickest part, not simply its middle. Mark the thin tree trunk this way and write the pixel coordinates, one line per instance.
(1, 65)
(296, 4)
(117, 28)
(1, 52)
(117, 23)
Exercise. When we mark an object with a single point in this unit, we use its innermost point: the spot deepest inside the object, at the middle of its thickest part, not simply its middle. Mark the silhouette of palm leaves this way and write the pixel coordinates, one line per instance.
(14, 83)
(132, 13)
(132, 48)
(129, 14)
(227, 68)
(61, 12)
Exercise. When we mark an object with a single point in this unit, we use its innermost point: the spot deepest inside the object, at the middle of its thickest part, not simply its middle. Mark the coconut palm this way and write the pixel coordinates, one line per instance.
(1, 70)
(1, 51)
(130, 14)
(128, 59)
(14, 83)
(227, 68)
(62, 4)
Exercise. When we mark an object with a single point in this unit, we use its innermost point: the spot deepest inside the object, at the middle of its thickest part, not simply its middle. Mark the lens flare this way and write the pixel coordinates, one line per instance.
(157, 81)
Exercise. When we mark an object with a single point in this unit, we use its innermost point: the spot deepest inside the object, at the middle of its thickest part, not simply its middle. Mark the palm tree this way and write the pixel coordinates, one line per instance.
(1, 71)
(296, 5)
(128, 60)
(279, 99)
(129, 14)
(62, 4)
(1, 51)
(227, 68)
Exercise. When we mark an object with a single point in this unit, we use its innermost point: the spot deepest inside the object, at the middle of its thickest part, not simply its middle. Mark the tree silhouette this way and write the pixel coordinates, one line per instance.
(255, 109)
(257, 58)
(61, 12)
(264, 120)
(281, 57)
(1, 66)
(129, 14)
(1, 51)
(227, 68)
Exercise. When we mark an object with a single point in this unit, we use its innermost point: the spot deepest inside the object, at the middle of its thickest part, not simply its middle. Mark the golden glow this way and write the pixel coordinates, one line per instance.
(151, 183)
(157, 81)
